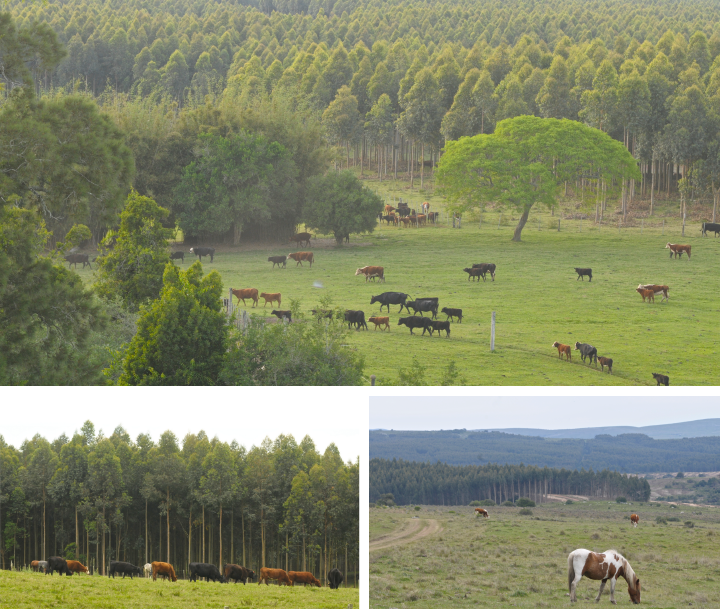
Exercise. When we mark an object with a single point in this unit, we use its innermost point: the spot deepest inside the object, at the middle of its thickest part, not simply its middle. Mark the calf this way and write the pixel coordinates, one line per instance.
(587, 351)
(76, 566)
(440, 325)
(303, 577)
(334, 579)
(163, 568)
(657, 289)
(416, 322)
(43, 566)
(428, 305)
(433, 216)
(270, 298)
(75, 258)
(125, 568)
(242, 294)
(605, 361)
(238, 573)
(661, 379)
(178, 256)
(278, 574)
(203, 251)
(380, 321)
(59, 564)
(474, 273)
(300, 238)
(206, 570)
(649, 294)
(485, 267)
(677, 250)
(282, 314)
(357, 318)
(710, 226)
(278, 260)
(147, 569)
(452, 313)
(562, 349)
(582, 273)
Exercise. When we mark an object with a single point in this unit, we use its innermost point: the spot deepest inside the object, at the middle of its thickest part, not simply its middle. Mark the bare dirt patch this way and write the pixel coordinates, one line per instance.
(414, 531)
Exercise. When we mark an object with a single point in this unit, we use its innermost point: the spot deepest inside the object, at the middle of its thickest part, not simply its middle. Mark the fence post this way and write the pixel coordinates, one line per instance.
(230, 303)
(683, 228)
(480, 226)
(372, 380)
(642, 225)
(492, 332)
(558, 224)
(663, 232)
(538, 223)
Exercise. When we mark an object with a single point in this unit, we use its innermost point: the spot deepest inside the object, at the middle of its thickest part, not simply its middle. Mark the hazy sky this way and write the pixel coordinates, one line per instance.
(568, 412)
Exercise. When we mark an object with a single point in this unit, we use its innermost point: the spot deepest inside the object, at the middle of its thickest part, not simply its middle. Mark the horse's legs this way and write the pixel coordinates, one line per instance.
(602, 587)
(573, 586)
(613, 581)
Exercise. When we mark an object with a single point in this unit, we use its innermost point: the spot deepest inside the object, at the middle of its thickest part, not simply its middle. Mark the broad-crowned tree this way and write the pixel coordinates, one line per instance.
(342, 120)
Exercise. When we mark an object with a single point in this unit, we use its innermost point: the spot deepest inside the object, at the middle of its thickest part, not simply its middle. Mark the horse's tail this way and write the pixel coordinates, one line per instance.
(571, 572)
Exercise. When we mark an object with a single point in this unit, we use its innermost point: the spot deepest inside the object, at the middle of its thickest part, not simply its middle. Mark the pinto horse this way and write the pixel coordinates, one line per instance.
(606, 566)
(634, 519)
(481, 512)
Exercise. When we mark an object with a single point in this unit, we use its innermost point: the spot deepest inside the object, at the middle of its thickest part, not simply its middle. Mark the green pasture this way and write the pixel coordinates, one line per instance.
(514, 560)
(536, 295)
(33, 590)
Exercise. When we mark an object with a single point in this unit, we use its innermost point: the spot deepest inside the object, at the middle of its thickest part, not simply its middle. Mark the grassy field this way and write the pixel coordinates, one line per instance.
(514, 560)
(536, 296)
(32, 590)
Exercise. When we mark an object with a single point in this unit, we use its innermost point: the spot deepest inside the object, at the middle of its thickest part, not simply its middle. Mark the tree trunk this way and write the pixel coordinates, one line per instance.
(220, 537)
(44, 529)
(77, 536)
(286, 550)
(262, 535)
(243, 533)
(422, 165)
(203, 534)
(521, 224)
(652, 186)
(232, 535)
(103, 544)
(168, 522)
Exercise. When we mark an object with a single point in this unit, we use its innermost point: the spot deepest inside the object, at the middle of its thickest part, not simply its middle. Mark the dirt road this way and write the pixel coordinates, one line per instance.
(415, 530)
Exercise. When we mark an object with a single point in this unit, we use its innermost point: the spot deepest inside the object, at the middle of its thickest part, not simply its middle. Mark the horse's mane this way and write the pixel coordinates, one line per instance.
(630, 576)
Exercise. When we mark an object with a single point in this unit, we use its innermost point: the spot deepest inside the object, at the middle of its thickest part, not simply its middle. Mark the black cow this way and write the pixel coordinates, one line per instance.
(587, 351)
(278, 260)
(440, 325)
(485, 267)
(280, 315)
(710, 226)
(387, 298)
(453, 313)
(355, 317)
(582, 273)
(178, 256)
(661, 379)
(414, 322)
(206, 570)
(203, 251)
(56, 563)
(75, 258)
(238, 573)
(429, 305)
(474, 273)
(125, 568)
(335, 578)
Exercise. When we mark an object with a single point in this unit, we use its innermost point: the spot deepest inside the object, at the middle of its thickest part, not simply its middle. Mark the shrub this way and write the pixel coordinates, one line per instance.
(661, 520)
(525, 512)
(485, 502)
(620, 500)
(673, 519)
(474, 503)
(689, 524)
(451, 511)
(417, 508)
(508, 503)
(525, 502)
(569, 502)
(680, 475)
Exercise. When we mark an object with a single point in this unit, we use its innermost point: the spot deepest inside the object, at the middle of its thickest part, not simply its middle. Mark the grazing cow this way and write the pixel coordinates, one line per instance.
(178, 256)
(710, 226)
(421, 219)
(440, 325)
(334, 579)
(278, 574)
(75, 258)
(282, 314)
(244, 293)
(587, 351)
(389, 208)
(380, 321)
(203, 251)
(677, 250)
(238, 573)
(163, 568)
(415, 322)
(605, 361)
(371, 271)
(278, 260)
(300, 256)
(270, 298)
(59, 564)
(474, 273)
(390, 219)
(649, 294)
(606, 566)
(582, 273)
(34, 565)
(452, 313)
(300, 238)
(43, 566)
(357, 318)
(125, 568)
(206, 570)
(387, 298)
(433, 216)
(481, 512)
(634, 519)
(76, 566)
(562, 349)
(485, 267)
(147, 569)
(661, 379)
(303, 577)
(657, 289)
(429, 305)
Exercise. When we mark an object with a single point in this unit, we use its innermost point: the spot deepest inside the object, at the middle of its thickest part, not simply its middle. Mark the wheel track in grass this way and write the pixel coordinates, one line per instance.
(407, 534)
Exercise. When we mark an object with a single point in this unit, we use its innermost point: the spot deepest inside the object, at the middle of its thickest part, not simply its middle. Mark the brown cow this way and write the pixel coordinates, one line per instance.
(163, 568)
(658, 289)
(301, 238)
(677, 250)
(300, 256)
(76, 566)
(371, 272)
(605, 361)
(303, 577)
(634, 519)
(380, 321)
(388, 209)
(562, 349)
(244, 293)
(649, 294)
(34, 565)
(278, 574)
(421, 219)
(482, 512)
(405, 221)
(270, 298)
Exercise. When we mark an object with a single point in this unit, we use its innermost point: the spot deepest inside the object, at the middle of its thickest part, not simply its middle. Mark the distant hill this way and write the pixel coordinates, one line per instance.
(634, 452)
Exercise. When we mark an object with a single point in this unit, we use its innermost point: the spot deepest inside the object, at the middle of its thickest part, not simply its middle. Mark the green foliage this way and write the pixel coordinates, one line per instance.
(569, 502)
(78, 234)
(525, 512)
(620, 500)
(661, 520)
(680, 475)
(181, 337)
(673, 519)
(508, 504)
(417, 508)
(525, 502)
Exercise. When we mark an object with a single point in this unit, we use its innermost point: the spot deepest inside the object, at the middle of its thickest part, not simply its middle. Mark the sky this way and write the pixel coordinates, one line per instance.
(540, 412)
(240, 414)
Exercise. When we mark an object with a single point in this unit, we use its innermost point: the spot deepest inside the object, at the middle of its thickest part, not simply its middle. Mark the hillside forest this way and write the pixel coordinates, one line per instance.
(95, 498)
(636, 453)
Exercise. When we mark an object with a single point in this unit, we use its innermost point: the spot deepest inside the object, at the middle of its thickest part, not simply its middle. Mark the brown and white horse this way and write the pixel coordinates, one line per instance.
(481, 512)
(606, 566)
(634, 519)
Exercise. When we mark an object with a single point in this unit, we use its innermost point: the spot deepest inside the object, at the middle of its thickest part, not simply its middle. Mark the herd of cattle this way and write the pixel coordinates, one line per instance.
(209, 571)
